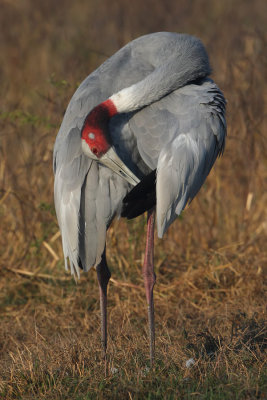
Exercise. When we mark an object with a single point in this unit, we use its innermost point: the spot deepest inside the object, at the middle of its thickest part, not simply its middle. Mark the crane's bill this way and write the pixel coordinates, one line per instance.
(111, 160)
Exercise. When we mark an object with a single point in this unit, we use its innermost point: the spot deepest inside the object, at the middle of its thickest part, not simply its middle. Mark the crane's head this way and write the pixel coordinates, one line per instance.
(97, 143)
(96, 139)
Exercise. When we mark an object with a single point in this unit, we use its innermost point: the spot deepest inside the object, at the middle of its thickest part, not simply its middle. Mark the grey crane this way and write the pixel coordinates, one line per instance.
(141, 133)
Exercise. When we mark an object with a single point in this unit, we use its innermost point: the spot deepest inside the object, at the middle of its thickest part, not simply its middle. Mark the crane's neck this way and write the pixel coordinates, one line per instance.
(180, 69)
(186, 62)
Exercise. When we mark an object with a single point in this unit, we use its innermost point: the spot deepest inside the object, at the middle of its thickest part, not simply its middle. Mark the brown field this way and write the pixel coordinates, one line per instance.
(210, 294)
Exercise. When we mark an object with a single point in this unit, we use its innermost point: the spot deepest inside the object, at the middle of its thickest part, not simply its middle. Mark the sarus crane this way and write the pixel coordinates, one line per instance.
(141, 133)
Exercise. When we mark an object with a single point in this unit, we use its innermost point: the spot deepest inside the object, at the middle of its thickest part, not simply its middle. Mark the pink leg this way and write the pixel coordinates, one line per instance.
(150, 279)
(103, 276)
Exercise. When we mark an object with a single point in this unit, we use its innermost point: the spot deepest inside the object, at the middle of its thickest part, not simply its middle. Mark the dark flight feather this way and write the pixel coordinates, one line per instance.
(141, 198)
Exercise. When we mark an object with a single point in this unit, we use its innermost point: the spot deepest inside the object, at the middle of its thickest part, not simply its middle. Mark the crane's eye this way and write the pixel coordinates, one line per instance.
(91, 135)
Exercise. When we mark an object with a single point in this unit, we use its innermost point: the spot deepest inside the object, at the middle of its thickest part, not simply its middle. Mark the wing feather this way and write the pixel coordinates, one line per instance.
(70, 171)
(181, 135)
(101, 199)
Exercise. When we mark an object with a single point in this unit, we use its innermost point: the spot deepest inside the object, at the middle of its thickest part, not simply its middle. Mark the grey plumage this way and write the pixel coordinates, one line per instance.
(173, 120)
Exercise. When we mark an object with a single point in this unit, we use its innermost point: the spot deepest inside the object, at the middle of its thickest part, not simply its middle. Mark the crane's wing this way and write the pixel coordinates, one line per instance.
(181, 136)
(70, 168)
(87, 197)
(101, 198)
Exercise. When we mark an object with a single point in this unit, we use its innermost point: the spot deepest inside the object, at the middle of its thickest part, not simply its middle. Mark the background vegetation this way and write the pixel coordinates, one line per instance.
(210, 299)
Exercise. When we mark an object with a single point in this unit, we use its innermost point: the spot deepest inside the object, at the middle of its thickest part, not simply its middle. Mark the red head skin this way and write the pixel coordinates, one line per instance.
(96, 123)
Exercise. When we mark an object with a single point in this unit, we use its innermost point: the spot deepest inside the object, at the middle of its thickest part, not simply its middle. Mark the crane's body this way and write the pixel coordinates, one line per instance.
(149, 110)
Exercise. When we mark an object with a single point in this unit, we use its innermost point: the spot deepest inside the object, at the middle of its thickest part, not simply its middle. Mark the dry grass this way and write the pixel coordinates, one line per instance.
(210, 292)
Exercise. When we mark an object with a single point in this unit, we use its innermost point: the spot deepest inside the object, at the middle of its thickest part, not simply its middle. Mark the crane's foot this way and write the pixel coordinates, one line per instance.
(103, 276)
(149, 281)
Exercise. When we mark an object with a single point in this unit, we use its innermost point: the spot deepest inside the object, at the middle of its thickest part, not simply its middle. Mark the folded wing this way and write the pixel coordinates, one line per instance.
(181, 136)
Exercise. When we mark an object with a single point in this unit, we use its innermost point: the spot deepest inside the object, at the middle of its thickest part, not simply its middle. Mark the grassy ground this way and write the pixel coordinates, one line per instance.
(210, 294)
